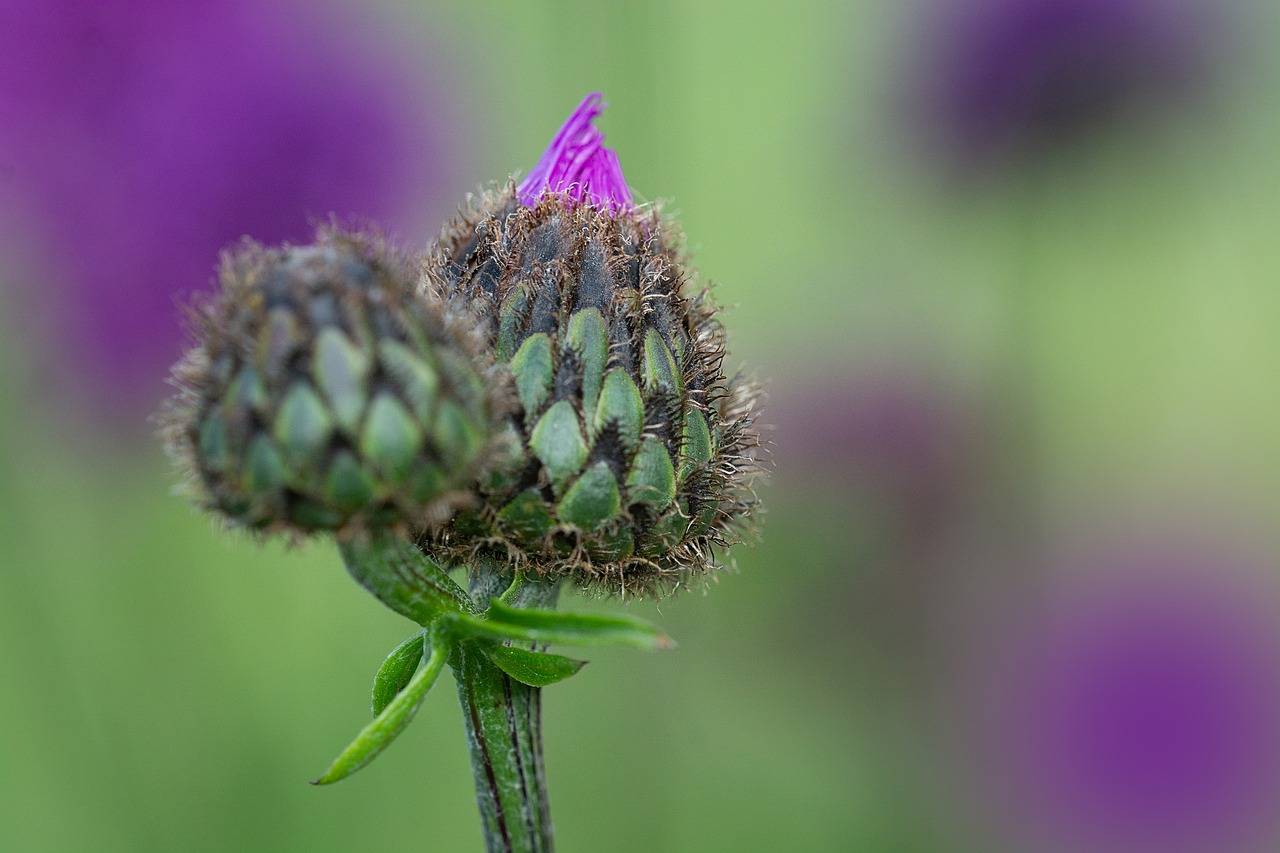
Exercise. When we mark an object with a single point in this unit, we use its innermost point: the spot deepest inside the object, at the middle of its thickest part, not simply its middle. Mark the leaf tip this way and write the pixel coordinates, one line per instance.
(334, 774)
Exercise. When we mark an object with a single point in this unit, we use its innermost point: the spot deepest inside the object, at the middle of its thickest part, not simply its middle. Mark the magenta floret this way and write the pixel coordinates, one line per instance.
(577, 164)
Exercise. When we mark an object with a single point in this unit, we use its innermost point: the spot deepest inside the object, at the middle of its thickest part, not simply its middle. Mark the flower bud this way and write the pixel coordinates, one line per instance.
(638, 452)
(324, 393)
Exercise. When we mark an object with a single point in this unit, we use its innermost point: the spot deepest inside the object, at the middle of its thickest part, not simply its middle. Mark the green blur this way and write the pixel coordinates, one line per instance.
(168, 687)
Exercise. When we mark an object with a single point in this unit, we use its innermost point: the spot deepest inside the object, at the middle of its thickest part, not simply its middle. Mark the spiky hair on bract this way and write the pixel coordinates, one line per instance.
(324, 392)
(638, 453)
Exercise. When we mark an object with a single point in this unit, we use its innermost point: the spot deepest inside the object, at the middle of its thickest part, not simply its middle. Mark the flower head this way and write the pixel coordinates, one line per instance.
(637, 451)
(324, 393)
(577, 164)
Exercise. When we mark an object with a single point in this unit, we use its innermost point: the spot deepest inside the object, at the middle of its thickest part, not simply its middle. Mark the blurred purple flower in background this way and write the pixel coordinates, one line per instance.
(139, 138)
(1136, 708)
(892, 437)
(1017, 80)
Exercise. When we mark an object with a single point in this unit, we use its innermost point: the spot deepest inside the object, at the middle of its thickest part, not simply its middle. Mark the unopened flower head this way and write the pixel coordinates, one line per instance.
(324, 393)
(638, 451)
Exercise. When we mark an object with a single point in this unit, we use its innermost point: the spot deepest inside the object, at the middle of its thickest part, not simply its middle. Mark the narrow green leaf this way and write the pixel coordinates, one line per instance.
(548, 627)
(396, 671)
(388, 725)
(536, 669)
(402, 577)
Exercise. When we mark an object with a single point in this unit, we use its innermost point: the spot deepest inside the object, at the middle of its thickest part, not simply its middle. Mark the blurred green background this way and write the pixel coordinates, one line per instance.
(1078, 343)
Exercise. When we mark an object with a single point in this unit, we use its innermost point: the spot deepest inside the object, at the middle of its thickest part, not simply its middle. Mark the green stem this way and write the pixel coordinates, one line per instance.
(504, 732)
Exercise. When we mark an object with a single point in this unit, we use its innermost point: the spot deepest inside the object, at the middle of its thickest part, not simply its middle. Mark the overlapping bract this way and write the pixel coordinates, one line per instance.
(637, 452)
(324, 393)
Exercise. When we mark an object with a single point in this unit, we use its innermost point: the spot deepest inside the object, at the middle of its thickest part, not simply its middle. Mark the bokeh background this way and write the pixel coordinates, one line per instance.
(1009, 267)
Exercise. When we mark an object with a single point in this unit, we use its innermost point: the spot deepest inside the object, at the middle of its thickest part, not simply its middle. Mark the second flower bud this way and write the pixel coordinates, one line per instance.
(325, 393)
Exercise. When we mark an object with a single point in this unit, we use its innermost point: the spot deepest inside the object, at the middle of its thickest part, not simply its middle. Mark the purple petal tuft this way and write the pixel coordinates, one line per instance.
(577, 164)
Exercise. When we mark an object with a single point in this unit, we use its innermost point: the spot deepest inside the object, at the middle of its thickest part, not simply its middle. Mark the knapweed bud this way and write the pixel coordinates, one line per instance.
(324, 392)
(638, 452)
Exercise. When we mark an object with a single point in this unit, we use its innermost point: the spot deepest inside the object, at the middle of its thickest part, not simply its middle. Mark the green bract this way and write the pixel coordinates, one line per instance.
(637, 451)
(325, 393)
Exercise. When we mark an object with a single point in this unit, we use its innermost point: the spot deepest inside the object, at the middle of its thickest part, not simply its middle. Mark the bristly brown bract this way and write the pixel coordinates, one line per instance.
(638, 453)
(324, 392)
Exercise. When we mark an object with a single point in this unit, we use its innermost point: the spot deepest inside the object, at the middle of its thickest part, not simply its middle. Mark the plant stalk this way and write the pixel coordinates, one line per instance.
(503, 721)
